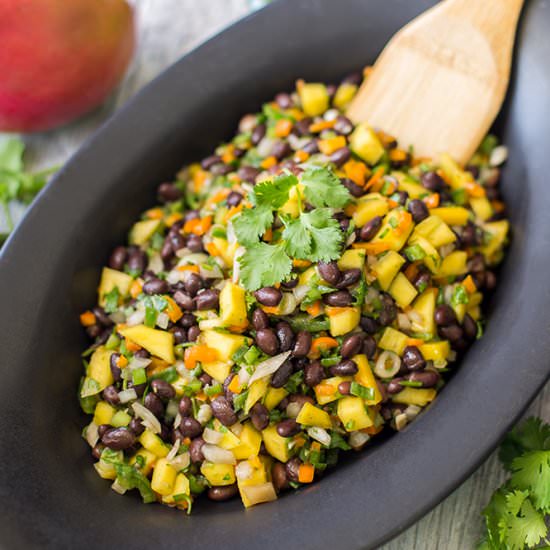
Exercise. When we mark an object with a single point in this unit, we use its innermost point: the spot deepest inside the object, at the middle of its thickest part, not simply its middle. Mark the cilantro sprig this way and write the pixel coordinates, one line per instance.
(517, 514)
(313, 235)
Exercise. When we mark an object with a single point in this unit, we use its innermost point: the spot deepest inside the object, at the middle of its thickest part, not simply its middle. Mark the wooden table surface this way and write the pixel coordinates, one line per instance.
(167, 30)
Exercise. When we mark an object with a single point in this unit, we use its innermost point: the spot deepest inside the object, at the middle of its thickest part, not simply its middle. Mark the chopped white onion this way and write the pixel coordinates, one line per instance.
(174, 450)
(400, 421)
(217, 455)
(297, 143)
(181, 461)
(182, 370)
(230, 233)
(172, 409)
(136, 318)
(358, 439)
(351, 239)
(269, 366)
(162, 320)
(387, 364)
(213, 272)
(243, 471)
(195, 258)
(439, 363)
(174, 276)
(117, 487)
(125, 396)
(293, 409)
(288, 304)
(412, 411)
(264, 492)
(212, 436)
(244, 376)
(155, 263)
(446, 249)
(177, 420)
(448, 293)
(138, 363)
(320, 435)
(403, 321)
(499, 155)
(118, 317)
(204, 414)
(182, 252)
(92, 437)
(149, 420)
(265, 146)
(300, 292)
(331, 114)
(236, 265)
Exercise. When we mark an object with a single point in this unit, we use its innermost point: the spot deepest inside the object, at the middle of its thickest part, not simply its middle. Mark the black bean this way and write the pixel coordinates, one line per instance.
(210, 161)
(267, 341)
(394, 386)
(190, 427)
(340, 298)
(369, 346)
(221, 493)
(422, 280)
(347, 367)
(283, 100)
(344, 388)
(401, 196)
(299, 363)
(476, 263)
(208, 299)
(369, 230)
(205, 379)
(369, 325)
(193, 333)
(118, 439)
(303, 344)
(111, 395)
(349, 278)
(143, 353)
(167, 252)
(192, 215)
(177, 241)
(282, 374)
(351, 345)
(259, 415)
(453, 333)
(432, 181)
(352, 187)
(97, 450)
(154, 403)
(137, 260)
(469, 326)
(413, 358)
(102, 317)
(163, 389)
(118, 258)
(115, 369)
(258, 134)
(193, 283)
(278, 476)
(234, 198)
(469, 235)
(260, 319)
(343, 125)
(301, 128)
(330, 272)
(418, 210)
(313, 373)
(340, 156)
(388, 312)
(285, 336)
(195, 450)
(139, 388)
(221, 169)
(248, 173)
(444, 315)
(187, 320)
(300, 399)
(168, 192)
(268, 296)
(102, 429)
(184, 300)
(223, 411)
(180, 335)
(490, 280)
(344, 224)
(281, 149)
(155, 286)
(311, 147)
(288, 427)
(194, 243)
(292, 468)
(428, 378)
(136, 426)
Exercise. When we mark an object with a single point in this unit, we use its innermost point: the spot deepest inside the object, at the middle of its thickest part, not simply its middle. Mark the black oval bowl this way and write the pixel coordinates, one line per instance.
(51, 496)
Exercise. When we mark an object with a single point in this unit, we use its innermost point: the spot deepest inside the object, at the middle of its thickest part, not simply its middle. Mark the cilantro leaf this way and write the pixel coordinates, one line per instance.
(264, 265)
(274, 193)
(111, 300)
(531, 435)
(493, 512)
(323, 188)
(531, 472)
(460, 296)
(130, 478)
(11, 155)
(297, 237)
(252, 223)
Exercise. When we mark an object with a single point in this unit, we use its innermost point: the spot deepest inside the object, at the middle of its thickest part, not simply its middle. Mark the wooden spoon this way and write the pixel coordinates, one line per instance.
(441, 80)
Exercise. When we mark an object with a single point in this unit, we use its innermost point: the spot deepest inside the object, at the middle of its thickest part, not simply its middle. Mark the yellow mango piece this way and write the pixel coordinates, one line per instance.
(157, 342)
(424, 308)
(352, 259)
(251, 440)
(164, 477)
(256, 391)
(344, 94)
(405, 183)
(111, 278)
(393, 340)
(387, 267)
(181, 487)
(154, 444)
(353, 414)
(482, 207)
(453, 174)
(218, 474)
(233, 306)
(105, 471)
(273, 397)
(402, 291)
(224, 343)
(365, 144)
(218, 370)
(453, 264)
(365, 377)
(435, 351)
(99, 368)
(435, 230)
(314, 98)
(103, 413)
(305, 277)
(322, 396)
(415, 396)
(387, 234)
(368, 207)
(310, 415)
(276, 445)
(497, 232)
(147, 458)
(142, 231)
(452, 215)
(432, 259)
(343, 319)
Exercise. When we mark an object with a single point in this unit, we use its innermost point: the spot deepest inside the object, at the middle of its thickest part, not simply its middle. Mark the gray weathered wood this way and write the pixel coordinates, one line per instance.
(167, 29)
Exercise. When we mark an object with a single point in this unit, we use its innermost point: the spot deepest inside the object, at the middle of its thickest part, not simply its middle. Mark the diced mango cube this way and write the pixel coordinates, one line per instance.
(164, 477)
(343, 319)
(482, 207)
(402, 291)
(276, 445)
(424, 308)
(454, 264)
(387, 267)
(218, 370)
(365, 144)
(142, 231)
(147, 459)
(452, 215)
(99, 368)
(393, 340)
(435, 351)
(352, 259)
(368, 207)
(156, 342)
(224, 343)
(327, 390)
(273, 397)
(314, 98)
(154, 444)
(251, 440)
(233, 306)
(365, 377)
(353, 414)
(310, 415)
(415, 396)
(218, 474)
(111, 278)
(344, 94)
(256, 391)
(103, 413)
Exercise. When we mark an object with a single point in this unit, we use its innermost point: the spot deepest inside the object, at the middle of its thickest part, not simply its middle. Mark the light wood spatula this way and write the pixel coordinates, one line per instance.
(441, 80)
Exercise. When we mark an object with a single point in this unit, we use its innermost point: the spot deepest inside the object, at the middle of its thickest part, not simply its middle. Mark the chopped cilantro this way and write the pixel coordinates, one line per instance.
(323, 188)
(414, 253)
(264, 265)
(361, 391)
(460, 296)
(111, 300)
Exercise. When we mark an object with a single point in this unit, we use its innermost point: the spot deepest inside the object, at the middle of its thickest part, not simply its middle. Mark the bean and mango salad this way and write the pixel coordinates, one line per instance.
(294, 294)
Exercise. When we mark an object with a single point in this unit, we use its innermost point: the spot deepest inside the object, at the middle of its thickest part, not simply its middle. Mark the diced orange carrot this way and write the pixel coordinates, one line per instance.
(268, 235)
(373, 248)
(469, 284)
(199, 353)
(390, 188)
(87, 319)
(356, 171)
(375, 181)
(228, 155)
(234, 210)
(317, 127)
(135, 288)
(120, 326)
(198, 226)
(414, 342)
(299, 441)
(301, 156)
(398, 155)
(499, 206)
(474, 189)
(411, 271)
(372, 430)
(330, 145)
(234, 385)
(218, 196)
(367, 71)
(155, 214)
(131, 346)
(323, 343)
(314, 309)
(121, 361)
(189, 267)
(212, 249)
(388, 141)
(201, 396)
(306, 473)
(173, 310)
(271, 310)
(315, 446)
(432, 201)
(171, 219)
(283, 127)
(325, 389)
(186, 441)
(405, 221)
(199, 177)
(268, 162)
(301, 264)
